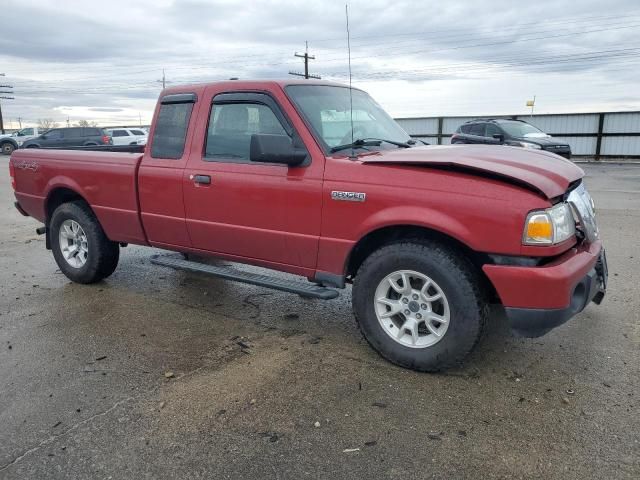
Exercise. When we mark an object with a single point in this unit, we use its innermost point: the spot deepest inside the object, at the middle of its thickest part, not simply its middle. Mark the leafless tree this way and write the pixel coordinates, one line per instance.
(86, 123)
(47, 123)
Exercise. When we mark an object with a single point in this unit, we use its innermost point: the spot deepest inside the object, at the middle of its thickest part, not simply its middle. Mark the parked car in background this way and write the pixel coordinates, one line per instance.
(516, 133)
(8, 143)
(69, 137)
(128, 136)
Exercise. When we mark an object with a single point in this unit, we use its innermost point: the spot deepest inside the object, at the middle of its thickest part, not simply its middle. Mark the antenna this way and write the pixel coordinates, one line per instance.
(346, 11)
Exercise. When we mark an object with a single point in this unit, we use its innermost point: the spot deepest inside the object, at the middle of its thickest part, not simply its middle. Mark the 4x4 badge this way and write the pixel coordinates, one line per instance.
(25, 165)
(348, 196)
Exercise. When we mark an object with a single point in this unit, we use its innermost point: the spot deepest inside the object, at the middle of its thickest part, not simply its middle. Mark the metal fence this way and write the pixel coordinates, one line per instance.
(599, 135)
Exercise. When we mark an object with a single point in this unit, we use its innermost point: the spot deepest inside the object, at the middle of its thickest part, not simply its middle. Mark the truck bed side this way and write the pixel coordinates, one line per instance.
(107, 181)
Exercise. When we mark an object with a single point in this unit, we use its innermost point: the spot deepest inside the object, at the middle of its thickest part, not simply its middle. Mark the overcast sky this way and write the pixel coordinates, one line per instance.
(102, 62)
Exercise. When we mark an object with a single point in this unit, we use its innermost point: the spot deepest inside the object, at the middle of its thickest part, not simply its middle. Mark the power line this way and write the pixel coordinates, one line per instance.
(387, 51)
(224, 61)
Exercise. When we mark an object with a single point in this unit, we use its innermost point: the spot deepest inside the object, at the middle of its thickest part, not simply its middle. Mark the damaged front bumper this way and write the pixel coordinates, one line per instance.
(538, 299)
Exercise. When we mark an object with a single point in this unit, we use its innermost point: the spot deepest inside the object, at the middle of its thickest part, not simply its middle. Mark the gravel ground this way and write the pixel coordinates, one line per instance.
(162, 374)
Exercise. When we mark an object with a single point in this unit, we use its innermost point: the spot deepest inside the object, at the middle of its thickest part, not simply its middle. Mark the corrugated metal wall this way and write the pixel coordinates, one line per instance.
(617, 133)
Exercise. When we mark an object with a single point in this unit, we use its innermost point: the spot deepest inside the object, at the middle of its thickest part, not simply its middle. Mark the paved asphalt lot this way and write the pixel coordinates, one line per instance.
(83, 392)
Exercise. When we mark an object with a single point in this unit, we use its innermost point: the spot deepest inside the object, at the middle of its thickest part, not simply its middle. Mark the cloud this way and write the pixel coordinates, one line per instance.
(459, 57)
(105, 109)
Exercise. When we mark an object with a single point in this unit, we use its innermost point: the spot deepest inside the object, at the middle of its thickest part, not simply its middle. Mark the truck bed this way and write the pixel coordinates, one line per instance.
(107, 180)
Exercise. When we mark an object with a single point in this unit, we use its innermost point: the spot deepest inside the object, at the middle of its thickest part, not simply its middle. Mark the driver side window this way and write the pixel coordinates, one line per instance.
(54, 134)
(492, 130)
(231, 126)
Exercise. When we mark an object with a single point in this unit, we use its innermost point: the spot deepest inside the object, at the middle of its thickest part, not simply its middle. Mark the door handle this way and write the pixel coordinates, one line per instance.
(201, 179)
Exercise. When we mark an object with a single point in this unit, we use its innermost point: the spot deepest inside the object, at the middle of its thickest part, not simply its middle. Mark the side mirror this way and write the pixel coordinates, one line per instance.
(43, 136)
(499, 137)
(269, 148)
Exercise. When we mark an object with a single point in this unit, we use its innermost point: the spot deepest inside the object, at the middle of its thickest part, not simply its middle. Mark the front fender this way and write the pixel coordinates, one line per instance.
(9, 140)
(416, 216)
(334, 253)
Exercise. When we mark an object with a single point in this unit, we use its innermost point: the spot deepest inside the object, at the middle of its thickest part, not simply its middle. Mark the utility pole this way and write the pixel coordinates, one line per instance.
(164, 80)
(20, 123)
(2, 97)
(306, 57)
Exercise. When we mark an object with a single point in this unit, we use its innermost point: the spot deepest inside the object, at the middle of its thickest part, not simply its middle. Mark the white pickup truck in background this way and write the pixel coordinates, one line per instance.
(12, 141)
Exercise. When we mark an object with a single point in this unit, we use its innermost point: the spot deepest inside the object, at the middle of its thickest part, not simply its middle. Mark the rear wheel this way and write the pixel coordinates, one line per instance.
(419, 305)
(80, 247)
(7, 148)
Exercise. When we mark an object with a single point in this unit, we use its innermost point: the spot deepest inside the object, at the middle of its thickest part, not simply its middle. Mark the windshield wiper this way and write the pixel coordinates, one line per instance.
(368, 142)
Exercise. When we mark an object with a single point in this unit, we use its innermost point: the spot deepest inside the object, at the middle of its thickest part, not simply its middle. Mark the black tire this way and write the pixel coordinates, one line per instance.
(103, 254)
(459, 281)
(7, 148)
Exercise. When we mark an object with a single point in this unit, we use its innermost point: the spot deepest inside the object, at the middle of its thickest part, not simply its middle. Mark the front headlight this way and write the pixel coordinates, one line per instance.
(527, 145)
(550, 226)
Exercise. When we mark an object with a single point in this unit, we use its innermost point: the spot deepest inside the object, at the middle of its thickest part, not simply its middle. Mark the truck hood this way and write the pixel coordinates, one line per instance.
(542, 171)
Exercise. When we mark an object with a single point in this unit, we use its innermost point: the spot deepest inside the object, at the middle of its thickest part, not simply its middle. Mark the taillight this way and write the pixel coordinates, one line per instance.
(12, 174)
(106, 139)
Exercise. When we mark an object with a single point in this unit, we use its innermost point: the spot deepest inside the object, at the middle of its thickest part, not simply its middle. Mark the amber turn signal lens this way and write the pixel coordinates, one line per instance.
(539, 230)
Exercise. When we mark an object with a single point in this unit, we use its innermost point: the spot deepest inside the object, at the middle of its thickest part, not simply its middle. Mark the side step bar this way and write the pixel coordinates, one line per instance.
(310, 290)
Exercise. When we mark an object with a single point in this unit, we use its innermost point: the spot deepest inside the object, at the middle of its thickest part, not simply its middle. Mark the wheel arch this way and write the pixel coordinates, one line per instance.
(387, 235)
(9, 140)
(59, 195)
(56, 197)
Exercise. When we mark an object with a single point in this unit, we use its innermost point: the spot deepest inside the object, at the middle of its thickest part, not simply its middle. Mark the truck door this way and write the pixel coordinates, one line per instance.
(160, 175)
(255, 211)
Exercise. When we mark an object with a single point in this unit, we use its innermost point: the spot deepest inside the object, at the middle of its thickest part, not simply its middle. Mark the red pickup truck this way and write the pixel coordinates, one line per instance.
(315, 179)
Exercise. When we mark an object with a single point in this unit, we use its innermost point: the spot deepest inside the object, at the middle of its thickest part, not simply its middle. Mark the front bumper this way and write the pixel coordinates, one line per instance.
(537, 299)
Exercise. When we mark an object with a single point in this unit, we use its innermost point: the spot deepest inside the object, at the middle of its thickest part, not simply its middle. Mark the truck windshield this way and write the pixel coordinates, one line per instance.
(328, 110)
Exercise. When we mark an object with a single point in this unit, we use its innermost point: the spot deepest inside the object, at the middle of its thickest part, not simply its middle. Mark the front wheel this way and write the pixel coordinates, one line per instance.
(80, 247)
(7, 148)
(419, 305)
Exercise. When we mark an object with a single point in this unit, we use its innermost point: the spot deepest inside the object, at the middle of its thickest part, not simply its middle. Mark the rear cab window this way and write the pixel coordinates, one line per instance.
(172, 124)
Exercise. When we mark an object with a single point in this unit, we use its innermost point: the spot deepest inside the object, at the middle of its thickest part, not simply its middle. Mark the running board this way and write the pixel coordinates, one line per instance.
(310, 290)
